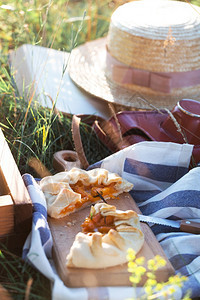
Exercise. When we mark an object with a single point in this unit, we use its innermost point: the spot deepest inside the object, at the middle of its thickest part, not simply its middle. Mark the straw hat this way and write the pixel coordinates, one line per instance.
(150, 55)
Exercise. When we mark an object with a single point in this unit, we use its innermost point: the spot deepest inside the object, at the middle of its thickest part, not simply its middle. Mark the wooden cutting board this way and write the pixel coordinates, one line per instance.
(63, 233)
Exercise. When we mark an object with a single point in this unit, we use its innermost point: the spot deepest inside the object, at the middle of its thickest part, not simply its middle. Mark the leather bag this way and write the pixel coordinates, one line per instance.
(181, 125)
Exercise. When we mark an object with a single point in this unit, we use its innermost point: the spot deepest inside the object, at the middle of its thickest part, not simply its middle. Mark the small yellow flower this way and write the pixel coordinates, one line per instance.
(151, 265)
(171, 290)
(153, 289)
(148, 290)
(140, 260)
(132, 264)
(140, 270)
(160, 261)
(151, 275)
(130, 254)
(151, 282)
(134, 279)
(159, 287)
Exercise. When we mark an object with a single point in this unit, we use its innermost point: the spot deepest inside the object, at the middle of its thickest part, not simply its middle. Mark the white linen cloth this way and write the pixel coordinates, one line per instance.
(164, 186)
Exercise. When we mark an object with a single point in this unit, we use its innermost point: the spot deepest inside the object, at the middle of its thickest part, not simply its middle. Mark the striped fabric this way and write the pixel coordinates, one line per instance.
(163, 187)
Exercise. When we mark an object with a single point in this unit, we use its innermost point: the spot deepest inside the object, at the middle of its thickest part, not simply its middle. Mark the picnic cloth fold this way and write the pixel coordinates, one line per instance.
(164, 186)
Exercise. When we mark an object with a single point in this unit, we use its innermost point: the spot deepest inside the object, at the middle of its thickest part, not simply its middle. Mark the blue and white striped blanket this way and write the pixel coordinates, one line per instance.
(163, 186)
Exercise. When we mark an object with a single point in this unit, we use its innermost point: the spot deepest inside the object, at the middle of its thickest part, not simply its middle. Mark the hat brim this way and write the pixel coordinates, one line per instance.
(87, 70)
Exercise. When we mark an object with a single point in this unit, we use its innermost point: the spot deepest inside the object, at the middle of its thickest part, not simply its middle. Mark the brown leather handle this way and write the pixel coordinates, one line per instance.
(189, 226)
(77, 141)
(65, 160)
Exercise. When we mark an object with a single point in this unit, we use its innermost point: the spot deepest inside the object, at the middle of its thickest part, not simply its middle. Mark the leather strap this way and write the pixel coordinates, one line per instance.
(77, 141)
(110, 135)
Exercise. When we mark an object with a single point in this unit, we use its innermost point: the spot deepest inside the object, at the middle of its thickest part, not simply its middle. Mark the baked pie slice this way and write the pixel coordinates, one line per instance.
(106, 235)
(67, 192)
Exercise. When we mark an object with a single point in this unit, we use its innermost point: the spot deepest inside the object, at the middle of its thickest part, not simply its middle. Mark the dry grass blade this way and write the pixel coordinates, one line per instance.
(39, 167)
(28, 288)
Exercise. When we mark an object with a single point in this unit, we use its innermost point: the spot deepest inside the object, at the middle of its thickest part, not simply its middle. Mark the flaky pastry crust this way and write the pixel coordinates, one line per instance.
(96, 250)
(67, 192)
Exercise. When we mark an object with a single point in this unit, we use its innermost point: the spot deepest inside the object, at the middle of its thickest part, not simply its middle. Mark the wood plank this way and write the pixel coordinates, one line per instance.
(3, 186)
(12, 184)
(64, 231)
(6, 215)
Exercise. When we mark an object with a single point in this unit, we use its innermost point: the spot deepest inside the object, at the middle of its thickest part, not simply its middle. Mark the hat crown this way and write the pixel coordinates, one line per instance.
(150, 57)
(156, 35)
(152, 19)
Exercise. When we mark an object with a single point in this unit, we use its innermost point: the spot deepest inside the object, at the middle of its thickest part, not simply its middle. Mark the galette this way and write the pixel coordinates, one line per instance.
(67, 192)
(106, 235)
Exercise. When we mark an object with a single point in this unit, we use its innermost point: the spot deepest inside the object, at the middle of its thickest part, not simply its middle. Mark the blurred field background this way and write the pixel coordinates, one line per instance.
(34, 131)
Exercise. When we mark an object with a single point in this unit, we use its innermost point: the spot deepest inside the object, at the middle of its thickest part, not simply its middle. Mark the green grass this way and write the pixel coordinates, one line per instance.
(33, 131)
(37, 132)
(21, 280)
